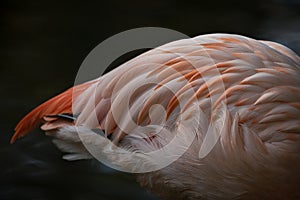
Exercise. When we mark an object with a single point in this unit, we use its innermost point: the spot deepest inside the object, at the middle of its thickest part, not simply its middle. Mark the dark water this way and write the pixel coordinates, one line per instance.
(42, 46)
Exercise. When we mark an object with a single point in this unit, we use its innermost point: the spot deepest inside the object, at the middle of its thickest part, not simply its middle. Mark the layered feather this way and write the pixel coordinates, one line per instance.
(243, 91)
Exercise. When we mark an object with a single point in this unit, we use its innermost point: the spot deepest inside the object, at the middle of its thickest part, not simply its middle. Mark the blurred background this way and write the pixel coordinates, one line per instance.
(42, 46)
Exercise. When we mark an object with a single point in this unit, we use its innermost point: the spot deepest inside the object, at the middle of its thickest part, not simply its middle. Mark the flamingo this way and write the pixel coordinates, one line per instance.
(230, 103)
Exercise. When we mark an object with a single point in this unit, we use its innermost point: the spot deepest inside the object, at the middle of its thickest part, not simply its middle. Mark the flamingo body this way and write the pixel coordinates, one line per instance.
(251, 86)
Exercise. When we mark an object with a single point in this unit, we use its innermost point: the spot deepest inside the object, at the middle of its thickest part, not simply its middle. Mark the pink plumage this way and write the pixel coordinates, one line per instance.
(251, 86)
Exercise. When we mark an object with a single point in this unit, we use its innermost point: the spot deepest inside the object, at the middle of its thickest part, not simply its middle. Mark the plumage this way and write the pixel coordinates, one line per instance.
(230, 103)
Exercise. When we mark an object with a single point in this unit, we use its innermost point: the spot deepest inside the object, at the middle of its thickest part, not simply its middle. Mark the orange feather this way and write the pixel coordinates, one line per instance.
(61, 103)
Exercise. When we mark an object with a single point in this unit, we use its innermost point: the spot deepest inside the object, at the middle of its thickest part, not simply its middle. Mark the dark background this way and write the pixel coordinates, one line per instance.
(42, 46)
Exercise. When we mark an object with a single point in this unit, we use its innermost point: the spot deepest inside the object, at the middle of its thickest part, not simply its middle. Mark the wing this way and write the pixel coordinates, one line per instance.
(205, 70)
